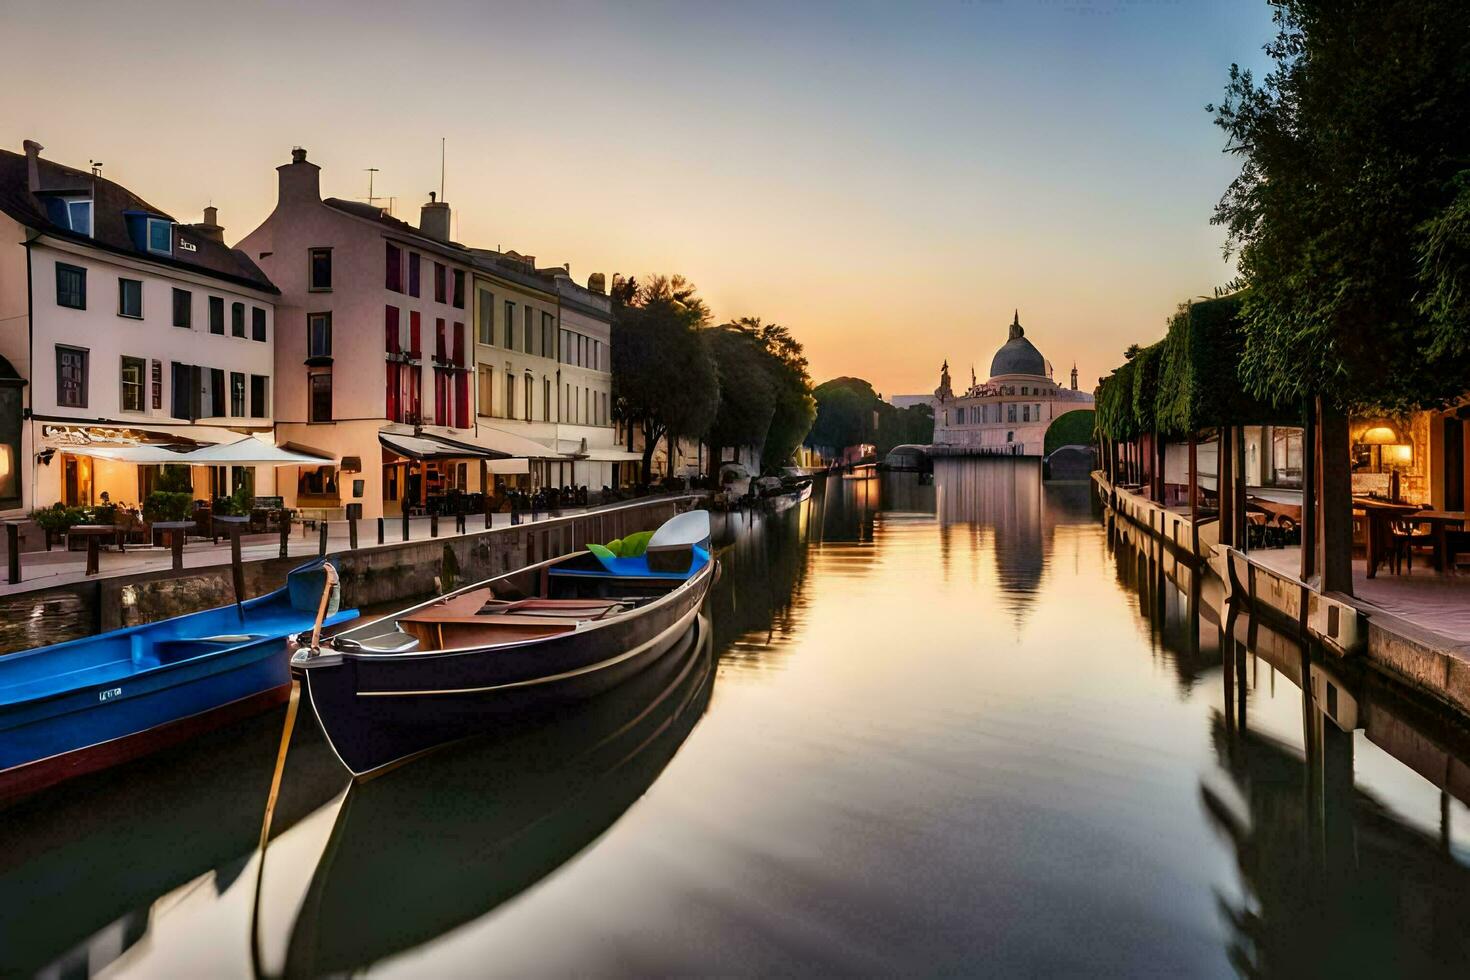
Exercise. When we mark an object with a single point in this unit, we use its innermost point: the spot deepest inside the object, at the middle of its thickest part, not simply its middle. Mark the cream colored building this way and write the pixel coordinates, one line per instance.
(1009, 413)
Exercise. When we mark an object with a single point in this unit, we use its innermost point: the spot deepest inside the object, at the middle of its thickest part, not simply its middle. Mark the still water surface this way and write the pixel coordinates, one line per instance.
(964, 727)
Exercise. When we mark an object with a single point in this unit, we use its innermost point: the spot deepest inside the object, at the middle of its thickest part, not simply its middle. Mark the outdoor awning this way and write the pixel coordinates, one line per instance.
(509, 444)
(508, 467)
(250, 451)
(140, 455)
(613, 456)
(430, 447)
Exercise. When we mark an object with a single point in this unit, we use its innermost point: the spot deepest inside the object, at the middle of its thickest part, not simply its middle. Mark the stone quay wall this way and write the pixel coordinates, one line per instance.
(371, 575)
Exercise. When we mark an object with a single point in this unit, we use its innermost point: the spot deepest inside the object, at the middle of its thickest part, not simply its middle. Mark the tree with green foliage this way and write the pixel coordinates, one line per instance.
(1351, 212)
(849, 413)
(664, 377)
(1074, 428)
(747, 392)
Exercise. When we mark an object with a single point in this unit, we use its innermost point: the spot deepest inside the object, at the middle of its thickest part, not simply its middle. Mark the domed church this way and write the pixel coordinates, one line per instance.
(1008, 414)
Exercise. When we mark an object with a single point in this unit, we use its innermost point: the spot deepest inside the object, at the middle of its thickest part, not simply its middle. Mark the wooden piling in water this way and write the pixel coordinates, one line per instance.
(12, 544)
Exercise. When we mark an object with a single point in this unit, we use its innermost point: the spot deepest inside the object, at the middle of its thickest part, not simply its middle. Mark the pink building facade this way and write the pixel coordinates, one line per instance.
(373, 344)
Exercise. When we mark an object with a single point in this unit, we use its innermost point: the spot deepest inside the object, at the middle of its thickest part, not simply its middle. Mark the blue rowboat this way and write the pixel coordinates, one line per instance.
(75, 707)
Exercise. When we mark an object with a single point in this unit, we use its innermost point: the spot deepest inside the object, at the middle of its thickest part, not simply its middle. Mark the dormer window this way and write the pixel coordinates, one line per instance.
(160, 236)
(79, 214)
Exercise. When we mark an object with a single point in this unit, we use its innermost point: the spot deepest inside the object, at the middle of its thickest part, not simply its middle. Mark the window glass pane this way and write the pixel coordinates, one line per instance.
(132, 384)
(237, 319)
(319, 327)
(237, 394)
(79, 216)
(71, 377)
(160, 236)
(183, 308)
(129, 297)
(321, 268)
(216, 315)
(257, 323)
(71, 286)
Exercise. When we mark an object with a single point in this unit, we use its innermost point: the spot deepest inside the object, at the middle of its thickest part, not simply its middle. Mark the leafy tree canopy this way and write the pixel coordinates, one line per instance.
(664, 376)
(849, 412)
(1351, 212)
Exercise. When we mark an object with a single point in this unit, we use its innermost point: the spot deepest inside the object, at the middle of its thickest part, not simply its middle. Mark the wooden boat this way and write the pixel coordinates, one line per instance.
(862, 471)
(458, 834)
(553, 633)
(79, 706)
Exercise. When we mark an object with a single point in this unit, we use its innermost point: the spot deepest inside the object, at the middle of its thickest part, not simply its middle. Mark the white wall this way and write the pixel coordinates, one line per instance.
(108, 337)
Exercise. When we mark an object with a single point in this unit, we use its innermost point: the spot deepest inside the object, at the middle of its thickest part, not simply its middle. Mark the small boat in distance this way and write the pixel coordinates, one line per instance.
(475, 660)
(76, 707)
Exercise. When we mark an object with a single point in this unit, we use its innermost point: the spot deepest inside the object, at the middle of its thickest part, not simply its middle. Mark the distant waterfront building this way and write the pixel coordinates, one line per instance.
(1009, 413)
(119, 328)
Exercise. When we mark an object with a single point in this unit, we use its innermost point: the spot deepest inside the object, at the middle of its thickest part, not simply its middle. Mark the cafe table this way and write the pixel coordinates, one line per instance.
(1379, 516)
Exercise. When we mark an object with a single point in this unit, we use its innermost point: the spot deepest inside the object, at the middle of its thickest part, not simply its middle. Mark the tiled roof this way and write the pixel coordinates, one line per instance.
(110, 202)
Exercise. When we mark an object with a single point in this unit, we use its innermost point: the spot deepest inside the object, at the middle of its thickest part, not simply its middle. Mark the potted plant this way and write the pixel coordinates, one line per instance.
(57, 519)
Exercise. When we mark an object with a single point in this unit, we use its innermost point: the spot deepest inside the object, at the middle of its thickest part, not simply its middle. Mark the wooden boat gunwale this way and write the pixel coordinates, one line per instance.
(582, 627)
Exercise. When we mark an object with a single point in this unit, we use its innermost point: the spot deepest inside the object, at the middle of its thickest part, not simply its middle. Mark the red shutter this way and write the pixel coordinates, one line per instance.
(392, 399)
(459, 344)
(462, 400)
(390, 329)
(439, 350)
(415, 348)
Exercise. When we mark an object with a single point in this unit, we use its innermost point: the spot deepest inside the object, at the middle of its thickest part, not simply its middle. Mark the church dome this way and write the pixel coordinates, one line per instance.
(1018, 355)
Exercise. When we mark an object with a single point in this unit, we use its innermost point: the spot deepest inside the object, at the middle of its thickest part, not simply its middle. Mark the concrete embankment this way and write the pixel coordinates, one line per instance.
(1408, 652)
(370, 575)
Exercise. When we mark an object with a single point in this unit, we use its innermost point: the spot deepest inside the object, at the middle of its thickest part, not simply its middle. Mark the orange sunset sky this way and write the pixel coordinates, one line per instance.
(888, 180)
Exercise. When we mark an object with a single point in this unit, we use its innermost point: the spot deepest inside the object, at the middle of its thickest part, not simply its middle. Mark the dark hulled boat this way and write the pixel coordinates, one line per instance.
(553, 633)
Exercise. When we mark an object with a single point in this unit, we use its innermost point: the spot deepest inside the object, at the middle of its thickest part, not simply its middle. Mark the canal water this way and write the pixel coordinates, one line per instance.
(968, 726)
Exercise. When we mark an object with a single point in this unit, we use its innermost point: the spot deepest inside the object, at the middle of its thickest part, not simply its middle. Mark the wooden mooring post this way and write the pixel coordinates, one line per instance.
(322, 538)
(12, 554)
(352, 533)
(380, 530)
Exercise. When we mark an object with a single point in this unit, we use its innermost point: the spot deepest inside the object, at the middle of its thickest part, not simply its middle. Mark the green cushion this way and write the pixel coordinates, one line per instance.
(602, 552)
(634, 545)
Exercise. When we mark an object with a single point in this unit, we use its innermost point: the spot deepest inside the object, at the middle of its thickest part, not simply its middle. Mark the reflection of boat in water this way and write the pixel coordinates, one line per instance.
(426, 848)
(82, 864)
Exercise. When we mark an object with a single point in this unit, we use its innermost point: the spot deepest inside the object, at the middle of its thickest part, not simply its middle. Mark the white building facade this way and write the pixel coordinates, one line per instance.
(1009, 413)
(129, 329)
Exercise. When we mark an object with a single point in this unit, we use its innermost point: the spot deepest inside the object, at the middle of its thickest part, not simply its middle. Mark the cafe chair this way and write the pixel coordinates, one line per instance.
(1405, 536)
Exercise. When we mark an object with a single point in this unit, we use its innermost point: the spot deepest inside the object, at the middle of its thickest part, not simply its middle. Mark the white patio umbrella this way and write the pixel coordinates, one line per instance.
(250, 451)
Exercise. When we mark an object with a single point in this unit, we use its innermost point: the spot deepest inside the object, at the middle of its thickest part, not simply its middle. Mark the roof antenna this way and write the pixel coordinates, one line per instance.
(96, 167)
(441, 168)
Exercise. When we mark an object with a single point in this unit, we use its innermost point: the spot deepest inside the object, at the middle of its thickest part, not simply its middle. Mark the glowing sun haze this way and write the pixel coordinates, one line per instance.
(888, 180)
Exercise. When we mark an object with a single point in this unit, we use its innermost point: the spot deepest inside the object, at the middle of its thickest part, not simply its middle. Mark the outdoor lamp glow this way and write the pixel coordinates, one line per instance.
(1378, 435)
(1398, 454)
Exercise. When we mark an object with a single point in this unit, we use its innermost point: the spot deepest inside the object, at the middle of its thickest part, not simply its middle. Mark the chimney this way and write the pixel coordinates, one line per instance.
(434, 220)
(597, 283)
(210, 226)
(33, 164)
(300, 181)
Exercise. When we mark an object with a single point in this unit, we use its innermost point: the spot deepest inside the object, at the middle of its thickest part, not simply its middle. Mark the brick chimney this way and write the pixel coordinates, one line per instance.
(300, 181)
(434, 220)
(33, 164)
(210, 227)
